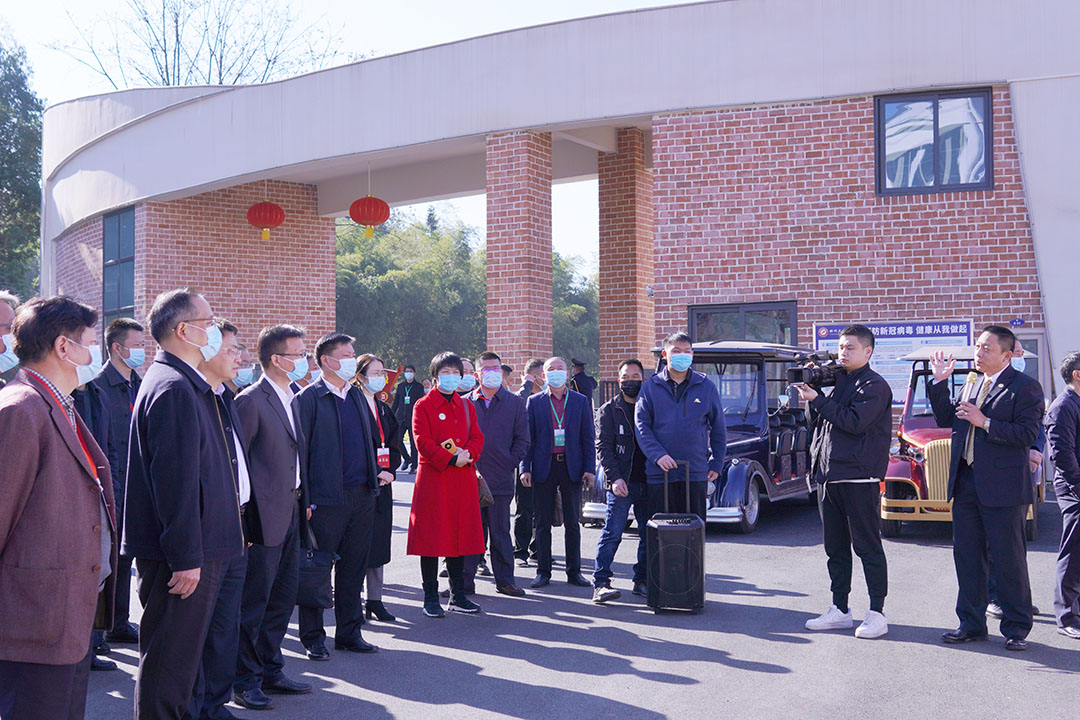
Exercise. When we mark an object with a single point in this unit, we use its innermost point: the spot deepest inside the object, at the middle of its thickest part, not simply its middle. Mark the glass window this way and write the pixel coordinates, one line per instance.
(739, 385)
(118, 266)
(761, 322)
(934, 142)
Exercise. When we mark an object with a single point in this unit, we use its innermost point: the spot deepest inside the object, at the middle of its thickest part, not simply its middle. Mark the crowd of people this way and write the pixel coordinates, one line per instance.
(227, 485)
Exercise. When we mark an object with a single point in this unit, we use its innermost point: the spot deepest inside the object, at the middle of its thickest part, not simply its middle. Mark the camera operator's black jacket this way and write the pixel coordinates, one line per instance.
(852, 428)
(616, 444)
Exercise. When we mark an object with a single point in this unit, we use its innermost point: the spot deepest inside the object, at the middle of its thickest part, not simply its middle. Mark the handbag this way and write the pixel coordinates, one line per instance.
(482, 489)
(315, 589)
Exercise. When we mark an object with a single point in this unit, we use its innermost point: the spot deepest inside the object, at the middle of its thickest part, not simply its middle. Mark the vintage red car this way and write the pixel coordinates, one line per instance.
(915, 488)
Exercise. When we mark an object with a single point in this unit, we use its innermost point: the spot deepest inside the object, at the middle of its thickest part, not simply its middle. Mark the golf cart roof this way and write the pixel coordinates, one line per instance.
(747, 347)
(965, 352)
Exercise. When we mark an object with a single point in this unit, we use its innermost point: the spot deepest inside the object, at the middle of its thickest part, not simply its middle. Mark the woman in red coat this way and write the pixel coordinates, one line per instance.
(445, 516)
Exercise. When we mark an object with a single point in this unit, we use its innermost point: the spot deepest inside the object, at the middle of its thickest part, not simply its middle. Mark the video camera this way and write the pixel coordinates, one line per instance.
(821, 369)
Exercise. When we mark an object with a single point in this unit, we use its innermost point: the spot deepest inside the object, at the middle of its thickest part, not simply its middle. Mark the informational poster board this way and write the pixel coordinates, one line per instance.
(894, 340)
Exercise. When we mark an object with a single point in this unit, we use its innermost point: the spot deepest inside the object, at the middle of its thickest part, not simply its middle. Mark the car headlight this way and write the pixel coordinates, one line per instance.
(917, 456)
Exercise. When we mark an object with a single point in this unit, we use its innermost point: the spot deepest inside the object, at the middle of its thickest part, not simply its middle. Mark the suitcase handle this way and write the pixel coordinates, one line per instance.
(685, 464)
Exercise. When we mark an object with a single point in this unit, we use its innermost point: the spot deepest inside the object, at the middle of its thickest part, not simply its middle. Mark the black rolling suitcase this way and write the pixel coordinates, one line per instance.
(675, 547)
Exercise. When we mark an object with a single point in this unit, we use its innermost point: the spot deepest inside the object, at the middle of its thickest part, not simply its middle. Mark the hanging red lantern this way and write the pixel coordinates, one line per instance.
(265, 215)
(369, 211)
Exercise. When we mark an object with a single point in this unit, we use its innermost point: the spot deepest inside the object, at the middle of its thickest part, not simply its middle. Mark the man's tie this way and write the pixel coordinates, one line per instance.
(969, 450)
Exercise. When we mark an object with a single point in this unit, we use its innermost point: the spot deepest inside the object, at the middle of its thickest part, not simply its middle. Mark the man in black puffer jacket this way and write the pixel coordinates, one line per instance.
(850, 455)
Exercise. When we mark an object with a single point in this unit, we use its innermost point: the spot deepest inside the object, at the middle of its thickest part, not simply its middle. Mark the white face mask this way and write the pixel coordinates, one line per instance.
(8, 358)
(491, 379)
(90, 370)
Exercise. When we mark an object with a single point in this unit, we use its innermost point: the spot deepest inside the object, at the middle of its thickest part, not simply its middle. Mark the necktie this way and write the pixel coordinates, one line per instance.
(969, 450)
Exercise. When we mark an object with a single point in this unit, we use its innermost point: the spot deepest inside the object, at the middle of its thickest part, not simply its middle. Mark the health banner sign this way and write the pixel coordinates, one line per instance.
(894, 340)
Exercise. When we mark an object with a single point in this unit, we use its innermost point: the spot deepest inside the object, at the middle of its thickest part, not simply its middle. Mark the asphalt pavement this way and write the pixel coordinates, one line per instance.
(554, 654)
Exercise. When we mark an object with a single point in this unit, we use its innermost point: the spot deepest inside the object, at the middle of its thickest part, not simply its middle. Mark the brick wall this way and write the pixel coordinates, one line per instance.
(778, 203)
(205, 242)
(519, 317)
(626, 253)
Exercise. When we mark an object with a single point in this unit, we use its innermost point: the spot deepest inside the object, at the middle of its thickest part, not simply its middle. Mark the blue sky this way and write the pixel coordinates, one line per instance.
(369, 28)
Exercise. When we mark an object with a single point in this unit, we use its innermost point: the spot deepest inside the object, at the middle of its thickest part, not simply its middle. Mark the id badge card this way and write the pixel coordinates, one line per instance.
(560, 438)
(383, 456)
(408, 399)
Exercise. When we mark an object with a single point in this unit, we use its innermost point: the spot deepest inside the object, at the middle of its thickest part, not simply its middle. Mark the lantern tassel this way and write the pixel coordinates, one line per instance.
(369, 232)
(266, 233)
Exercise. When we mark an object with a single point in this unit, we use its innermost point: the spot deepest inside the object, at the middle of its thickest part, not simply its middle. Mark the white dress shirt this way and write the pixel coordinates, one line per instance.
(286, 396)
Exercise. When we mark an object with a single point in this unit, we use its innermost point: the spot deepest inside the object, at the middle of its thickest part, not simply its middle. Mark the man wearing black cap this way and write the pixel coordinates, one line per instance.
(581, 382)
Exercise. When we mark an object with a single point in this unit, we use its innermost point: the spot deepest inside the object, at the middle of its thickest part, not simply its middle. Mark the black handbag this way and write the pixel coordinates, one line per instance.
(315, 589)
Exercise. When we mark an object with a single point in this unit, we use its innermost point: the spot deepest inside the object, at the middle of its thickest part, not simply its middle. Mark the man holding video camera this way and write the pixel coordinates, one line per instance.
(850, 454)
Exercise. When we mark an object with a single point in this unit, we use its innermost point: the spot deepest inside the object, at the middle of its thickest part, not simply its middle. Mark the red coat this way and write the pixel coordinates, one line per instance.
(445, 516)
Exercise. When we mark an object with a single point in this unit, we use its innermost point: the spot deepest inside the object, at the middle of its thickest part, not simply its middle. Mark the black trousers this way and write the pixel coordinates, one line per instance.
(524, 527)
(1067, 588)
(345, 530)
(32, 691)
(502, 546)
(676, 499)
(214, 683)
(273, 576)
(544, 506)
(122, 608)
(976, 528)
(408, 452)
(171, 638)
(849, 519)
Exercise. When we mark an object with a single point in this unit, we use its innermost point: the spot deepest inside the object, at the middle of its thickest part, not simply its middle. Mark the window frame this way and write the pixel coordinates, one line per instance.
(792, 306)
(935, 96)
(122, 262)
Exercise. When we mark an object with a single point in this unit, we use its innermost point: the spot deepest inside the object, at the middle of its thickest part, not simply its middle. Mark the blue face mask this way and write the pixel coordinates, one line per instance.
(449, 383)
(87, 372)
(136, 357)
(315, 375)
(375, 385)
(213, 342)
(409, 376)
(556, 378)
(1019, 363)
(244, 376)
(8, 358)
(347, 369)
(300, 368)
(681, 362)
(468, 382)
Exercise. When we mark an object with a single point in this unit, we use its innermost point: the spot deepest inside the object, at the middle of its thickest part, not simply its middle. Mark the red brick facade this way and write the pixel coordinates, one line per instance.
(519, 255)
(626, 253)
(205, 242)
(778, 203)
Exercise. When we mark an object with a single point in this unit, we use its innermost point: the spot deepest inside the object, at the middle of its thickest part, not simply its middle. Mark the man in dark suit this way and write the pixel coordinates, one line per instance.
(182, 515)
(271, 433)
(57, 532)
(994, 424)
(561, 456)
(340, 472)
(1063, 437)
(118, 384)
(582, 382)
(407, 392)
(524, 528)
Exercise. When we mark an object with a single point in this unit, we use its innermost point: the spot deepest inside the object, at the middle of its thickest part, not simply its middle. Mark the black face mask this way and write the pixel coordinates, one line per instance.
(630, 387)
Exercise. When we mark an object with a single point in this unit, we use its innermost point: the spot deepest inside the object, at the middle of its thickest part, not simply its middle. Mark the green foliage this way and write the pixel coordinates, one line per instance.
(20, 170)
(419, 287)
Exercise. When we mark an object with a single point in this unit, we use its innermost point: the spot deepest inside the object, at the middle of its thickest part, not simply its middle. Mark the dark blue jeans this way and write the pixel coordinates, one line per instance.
(618, 509)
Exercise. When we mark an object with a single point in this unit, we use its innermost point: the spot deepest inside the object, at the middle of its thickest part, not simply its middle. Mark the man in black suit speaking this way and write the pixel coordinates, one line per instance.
(994, 423)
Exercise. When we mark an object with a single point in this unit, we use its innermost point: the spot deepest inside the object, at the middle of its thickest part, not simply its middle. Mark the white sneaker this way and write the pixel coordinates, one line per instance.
(833, 619)
(873, 626)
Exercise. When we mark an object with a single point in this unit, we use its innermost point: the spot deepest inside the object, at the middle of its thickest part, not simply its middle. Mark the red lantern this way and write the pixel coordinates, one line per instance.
(265, 215)
(369, 211)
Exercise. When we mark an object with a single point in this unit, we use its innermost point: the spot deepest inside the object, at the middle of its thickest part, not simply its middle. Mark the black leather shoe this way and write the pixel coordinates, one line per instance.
(511, 590)
(523, 562)
(1015, 644)
(356, 645)
(102, 648)
(960, 635)
(1070, 631)
(127, 634)
(284, 686)
(318, 651)
(253, 699)
(97, 663)
(376, 609)
(540, 581)
(641, 589)
(577, 579)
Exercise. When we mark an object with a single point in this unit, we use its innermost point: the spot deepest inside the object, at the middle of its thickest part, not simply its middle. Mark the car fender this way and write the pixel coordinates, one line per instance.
(737, 476)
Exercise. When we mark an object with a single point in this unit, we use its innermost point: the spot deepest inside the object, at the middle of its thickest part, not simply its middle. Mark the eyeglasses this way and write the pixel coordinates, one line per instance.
(292, 355)
(189, 321)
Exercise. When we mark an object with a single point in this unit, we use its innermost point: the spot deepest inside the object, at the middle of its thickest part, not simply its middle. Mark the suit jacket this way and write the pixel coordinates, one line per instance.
(1063, 431)
(321, 463)
(1015, 408)
(273, 454)
(506, 438)
(181, 506)
(580, 439)
(403, 410)
(251, 519)
(114, 392)
(91, 406)
(50, 530)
